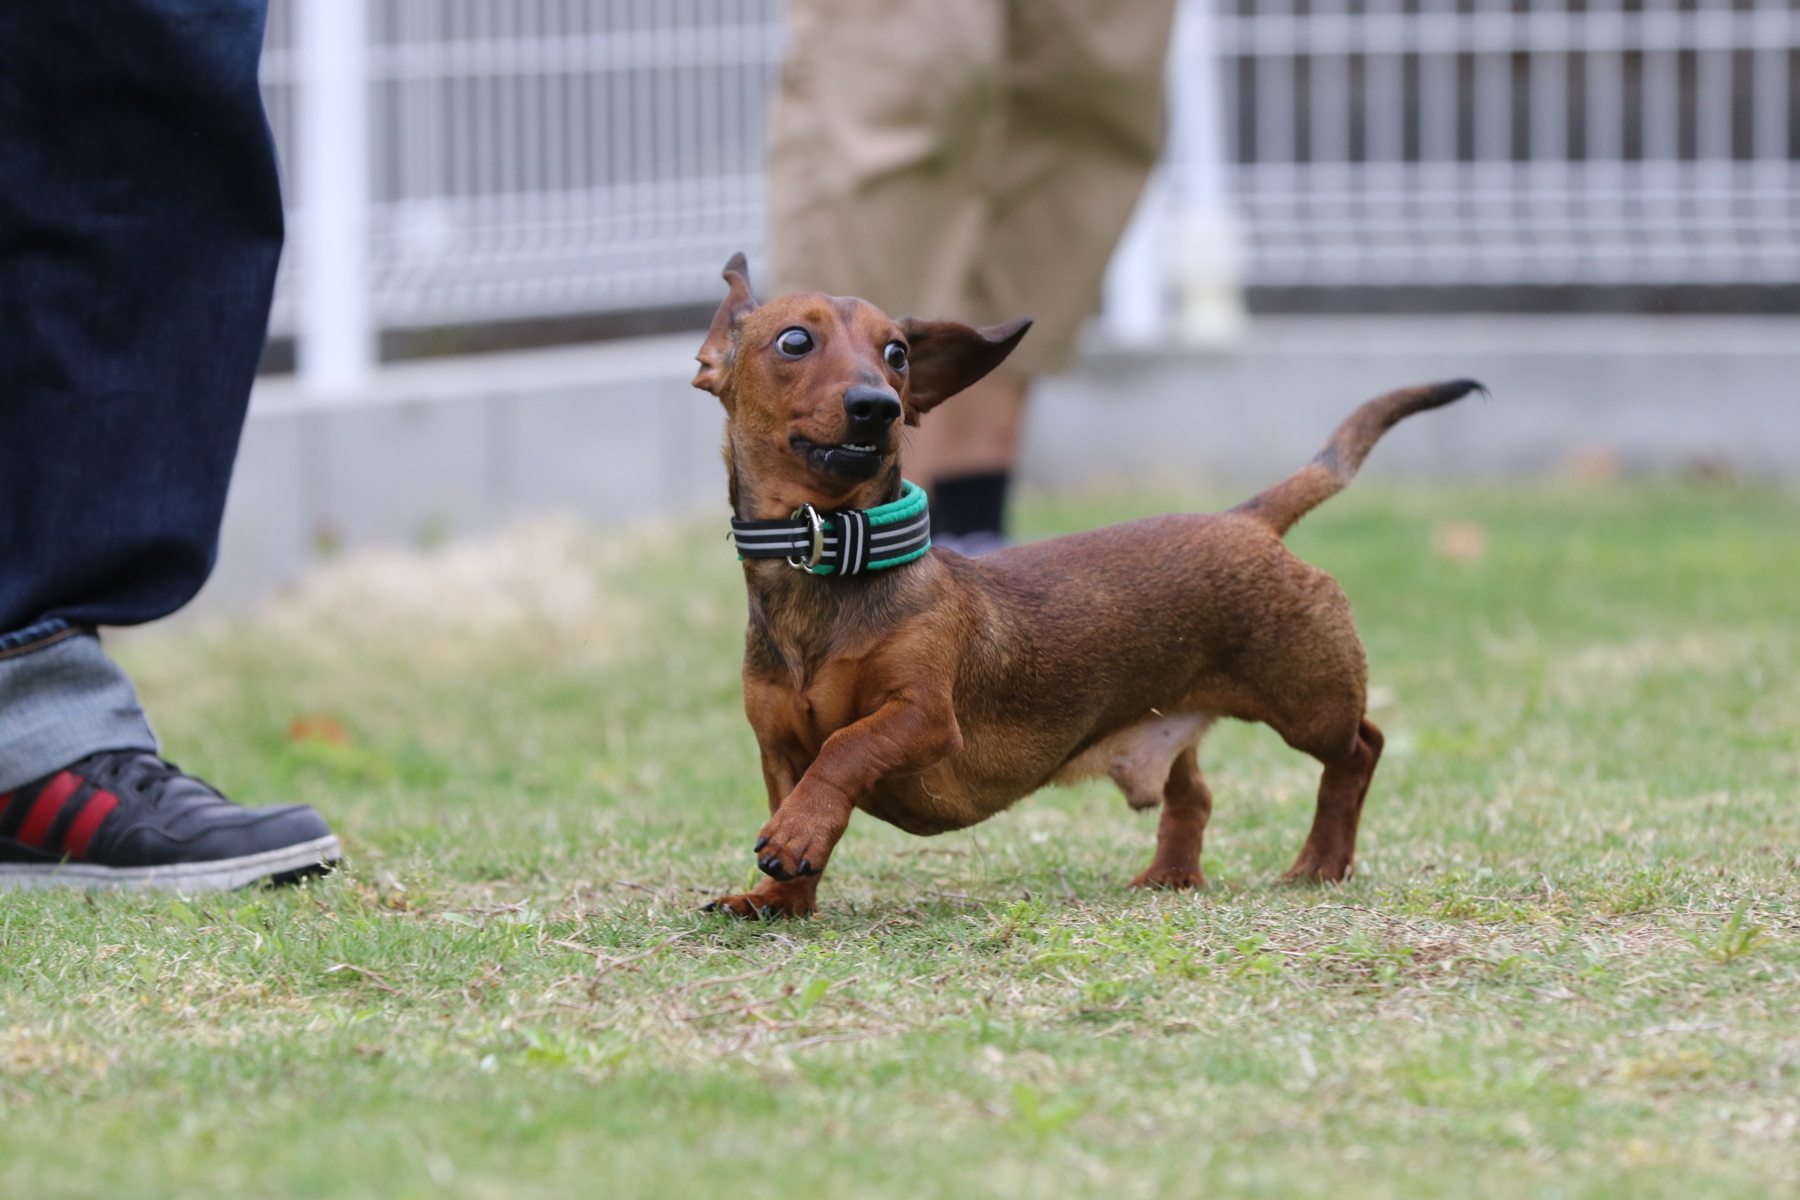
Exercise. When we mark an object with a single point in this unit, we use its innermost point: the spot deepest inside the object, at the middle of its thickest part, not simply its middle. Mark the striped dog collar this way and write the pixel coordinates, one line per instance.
(843, 541)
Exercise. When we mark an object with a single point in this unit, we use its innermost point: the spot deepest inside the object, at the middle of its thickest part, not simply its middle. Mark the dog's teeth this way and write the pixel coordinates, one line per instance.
(862, 449)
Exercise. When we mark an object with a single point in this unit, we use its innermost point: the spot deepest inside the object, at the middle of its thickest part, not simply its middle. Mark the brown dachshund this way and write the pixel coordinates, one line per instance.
(935, 693)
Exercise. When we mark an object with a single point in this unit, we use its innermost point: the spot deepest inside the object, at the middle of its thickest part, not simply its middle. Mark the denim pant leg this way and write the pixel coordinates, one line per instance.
(140, 226)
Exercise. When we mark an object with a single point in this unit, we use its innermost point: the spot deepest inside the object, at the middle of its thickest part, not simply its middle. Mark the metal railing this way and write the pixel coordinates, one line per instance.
(473, 160)
(527, 157)
(1514, 141)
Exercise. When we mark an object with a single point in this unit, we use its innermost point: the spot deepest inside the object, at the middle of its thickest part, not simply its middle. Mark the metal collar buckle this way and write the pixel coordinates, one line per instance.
(816, 524)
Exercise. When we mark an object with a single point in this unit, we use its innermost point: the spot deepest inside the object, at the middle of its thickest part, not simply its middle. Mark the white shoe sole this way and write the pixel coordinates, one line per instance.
(219, 875)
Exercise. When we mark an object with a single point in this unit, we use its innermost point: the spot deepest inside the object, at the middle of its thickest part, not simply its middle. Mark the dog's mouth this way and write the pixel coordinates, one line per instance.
(851, 460)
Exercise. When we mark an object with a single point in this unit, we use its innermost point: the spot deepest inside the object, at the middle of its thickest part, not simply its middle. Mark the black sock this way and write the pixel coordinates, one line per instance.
(969, 504)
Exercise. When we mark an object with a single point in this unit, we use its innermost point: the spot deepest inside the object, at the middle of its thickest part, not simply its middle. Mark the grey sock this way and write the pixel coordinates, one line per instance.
(61, 702)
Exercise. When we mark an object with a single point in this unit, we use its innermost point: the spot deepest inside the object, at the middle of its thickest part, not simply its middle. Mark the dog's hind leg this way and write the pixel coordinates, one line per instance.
(1330, 848)
(1186, 807)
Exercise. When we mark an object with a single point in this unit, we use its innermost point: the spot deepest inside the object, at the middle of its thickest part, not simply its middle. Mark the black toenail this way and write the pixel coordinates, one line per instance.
(806, 866)
(760, 843)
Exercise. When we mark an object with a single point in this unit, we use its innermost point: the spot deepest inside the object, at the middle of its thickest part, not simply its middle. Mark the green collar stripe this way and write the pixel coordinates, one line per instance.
(910, 504)
(843, 541)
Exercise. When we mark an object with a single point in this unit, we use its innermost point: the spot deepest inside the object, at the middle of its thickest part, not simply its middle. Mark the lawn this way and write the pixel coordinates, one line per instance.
(1569, 964)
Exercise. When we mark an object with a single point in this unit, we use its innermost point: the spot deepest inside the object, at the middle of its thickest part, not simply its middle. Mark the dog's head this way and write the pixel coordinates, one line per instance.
(814, 387)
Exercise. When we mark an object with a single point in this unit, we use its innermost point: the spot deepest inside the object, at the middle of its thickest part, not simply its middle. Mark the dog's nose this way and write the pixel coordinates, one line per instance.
(871, 409)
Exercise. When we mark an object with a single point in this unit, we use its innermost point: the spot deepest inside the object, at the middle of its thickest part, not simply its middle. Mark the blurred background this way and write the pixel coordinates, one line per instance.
(507, 220)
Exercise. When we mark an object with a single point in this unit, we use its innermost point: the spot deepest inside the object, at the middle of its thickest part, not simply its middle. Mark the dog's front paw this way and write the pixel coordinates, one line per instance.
(743, 905)
(788, 850)
(768, 901)
(751, 908)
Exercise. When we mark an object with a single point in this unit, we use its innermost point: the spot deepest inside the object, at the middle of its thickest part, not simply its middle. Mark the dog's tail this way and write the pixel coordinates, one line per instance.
(1281, 506)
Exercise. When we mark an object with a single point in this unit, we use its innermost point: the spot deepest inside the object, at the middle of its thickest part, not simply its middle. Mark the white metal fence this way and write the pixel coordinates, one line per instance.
(486, 159)
(1515, 141)
(534, 157)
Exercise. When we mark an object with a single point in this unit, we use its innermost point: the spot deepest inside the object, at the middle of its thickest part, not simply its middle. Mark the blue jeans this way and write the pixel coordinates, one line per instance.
(140, 225)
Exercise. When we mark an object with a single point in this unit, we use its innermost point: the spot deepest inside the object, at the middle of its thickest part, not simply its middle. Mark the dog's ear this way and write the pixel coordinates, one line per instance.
(715, 352)
(948, 356)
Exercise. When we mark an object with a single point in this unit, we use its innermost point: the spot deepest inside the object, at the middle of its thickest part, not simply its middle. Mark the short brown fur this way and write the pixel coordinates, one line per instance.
(937, 694)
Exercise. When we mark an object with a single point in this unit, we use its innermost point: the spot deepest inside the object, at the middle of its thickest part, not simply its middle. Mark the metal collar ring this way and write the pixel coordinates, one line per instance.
(816, 526)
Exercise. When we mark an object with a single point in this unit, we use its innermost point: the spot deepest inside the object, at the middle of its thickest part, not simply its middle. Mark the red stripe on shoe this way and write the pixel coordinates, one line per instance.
(49, 802)
(97, 809)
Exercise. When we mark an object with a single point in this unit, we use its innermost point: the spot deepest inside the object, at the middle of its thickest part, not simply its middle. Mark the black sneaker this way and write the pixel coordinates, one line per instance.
(126, 818)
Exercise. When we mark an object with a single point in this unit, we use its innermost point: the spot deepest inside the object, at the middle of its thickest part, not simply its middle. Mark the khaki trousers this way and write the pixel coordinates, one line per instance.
(972, 159)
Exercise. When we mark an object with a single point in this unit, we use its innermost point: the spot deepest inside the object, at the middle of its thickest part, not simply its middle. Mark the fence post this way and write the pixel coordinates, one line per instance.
(1180, 250)
(1134, 305)
(337, 341)
(1206, 235)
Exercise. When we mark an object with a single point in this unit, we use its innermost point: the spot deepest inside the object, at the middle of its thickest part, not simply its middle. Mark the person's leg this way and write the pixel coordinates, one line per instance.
(889, 119)
(889, 111)
(1083, 129)
(61, 699)
(140, 224)
(975, 161)
(963, 454)
(969, 159)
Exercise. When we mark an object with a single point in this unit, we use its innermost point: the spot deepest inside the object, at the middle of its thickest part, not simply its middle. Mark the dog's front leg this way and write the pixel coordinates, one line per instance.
(782, 768)
(907, 734)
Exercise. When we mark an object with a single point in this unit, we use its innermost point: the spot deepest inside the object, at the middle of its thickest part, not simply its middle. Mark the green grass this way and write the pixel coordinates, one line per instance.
(1568, 966)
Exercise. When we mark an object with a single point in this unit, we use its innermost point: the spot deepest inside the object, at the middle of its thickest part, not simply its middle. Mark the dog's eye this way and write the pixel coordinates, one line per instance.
(895, 353)
(794, 342)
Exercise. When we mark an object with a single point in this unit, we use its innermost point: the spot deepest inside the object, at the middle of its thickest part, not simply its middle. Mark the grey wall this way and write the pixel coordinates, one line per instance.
(453, 447)
(1657, 393)
(614, 432)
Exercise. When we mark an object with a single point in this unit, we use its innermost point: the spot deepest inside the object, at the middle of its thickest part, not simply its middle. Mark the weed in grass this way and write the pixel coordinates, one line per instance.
(1733, 939)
